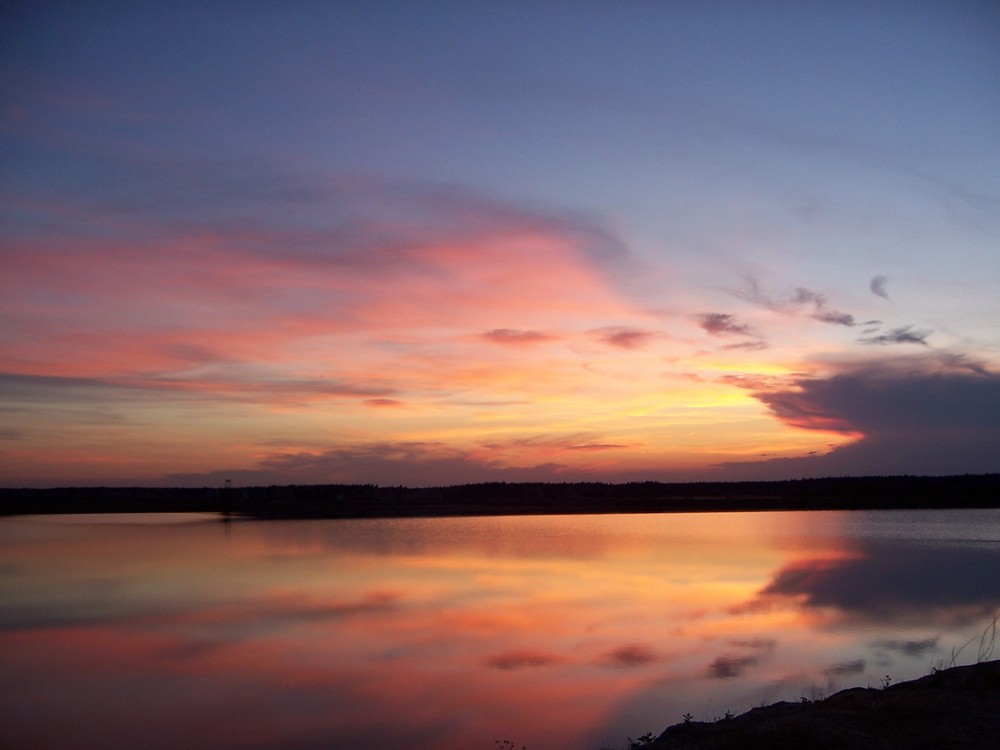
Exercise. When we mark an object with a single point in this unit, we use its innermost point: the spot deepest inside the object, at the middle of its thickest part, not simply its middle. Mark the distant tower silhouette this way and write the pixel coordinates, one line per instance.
(227, 499)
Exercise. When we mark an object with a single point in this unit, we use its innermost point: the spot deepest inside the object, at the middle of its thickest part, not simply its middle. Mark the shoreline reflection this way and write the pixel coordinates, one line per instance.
(446, 634)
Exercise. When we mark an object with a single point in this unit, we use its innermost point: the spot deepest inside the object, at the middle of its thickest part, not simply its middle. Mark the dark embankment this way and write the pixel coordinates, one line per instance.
(499, 498)
(954, 708)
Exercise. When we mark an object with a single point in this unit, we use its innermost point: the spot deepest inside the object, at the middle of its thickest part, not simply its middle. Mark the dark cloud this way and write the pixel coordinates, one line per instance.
(624, 338)
(877, 402)
(514, 337)
(937, 415)
(723, 324)
(724, 667)
(878, 286)
(832, 316)
(735, 664)
(895, 581)
(383, 402)
(903, 335)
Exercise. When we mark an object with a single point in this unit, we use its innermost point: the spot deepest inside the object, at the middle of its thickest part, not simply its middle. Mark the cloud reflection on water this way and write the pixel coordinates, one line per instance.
(894, 581)
(446, 634)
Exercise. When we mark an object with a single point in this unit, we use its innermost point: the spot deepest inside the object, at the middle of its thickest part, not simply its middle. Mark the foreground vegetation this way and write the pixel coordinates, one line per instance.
(950, 708)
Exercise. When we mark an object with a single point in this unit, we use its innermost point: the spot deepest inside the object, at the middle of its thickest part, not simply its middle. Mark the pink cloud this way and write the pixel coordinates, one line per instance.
(104, 307)
(513, 337)
(624, 337)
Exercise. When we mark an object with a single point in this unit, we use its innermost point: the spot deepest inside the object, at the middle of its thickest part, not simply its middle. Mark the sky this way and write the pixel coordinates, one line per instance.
(441, 242)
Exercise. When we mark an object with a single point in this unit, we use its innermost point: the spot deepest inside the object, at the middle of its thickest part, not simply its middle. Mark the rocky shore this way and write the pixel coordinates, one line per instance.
(948, 709)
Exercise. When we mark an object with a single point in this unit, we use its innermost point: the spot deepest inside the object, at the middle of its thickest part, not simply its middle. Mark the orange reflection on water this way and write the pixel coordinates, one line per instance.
(562, 632)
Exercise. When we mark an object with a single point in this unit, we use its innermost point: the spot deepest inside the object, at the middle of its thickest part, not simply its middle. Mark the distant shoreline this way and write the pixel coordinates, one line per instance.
(500, 498)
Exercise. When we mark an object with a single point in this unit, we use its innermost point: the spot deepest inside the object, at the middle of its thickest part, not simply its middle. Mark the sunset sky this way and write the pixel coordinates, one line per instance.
(440, 242)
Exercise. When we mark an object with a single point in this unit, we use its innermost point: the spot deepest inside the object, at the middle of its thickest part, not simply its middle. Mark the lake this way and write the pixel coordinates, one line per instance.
(553, 632)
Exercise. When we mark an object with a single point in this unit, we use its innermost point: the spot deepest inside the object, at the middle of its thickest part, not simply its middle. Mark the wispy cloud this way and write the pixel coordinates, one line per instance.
(902, 335)
(794, 303)
(878, 286)
(384, 402)
(726, 325)
(242, 384)
(821, 311)
(547, 443)
(749, 346)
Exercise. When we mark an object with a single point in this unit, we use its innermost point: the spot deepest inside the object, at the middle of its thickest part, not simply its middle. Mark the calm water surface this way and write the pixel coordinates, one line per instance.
(448, 634)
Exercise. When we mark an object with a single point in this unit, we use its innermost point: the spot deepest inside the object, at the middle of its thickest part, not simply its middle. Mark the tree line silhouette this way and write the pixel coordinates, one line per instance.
(503, 498)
